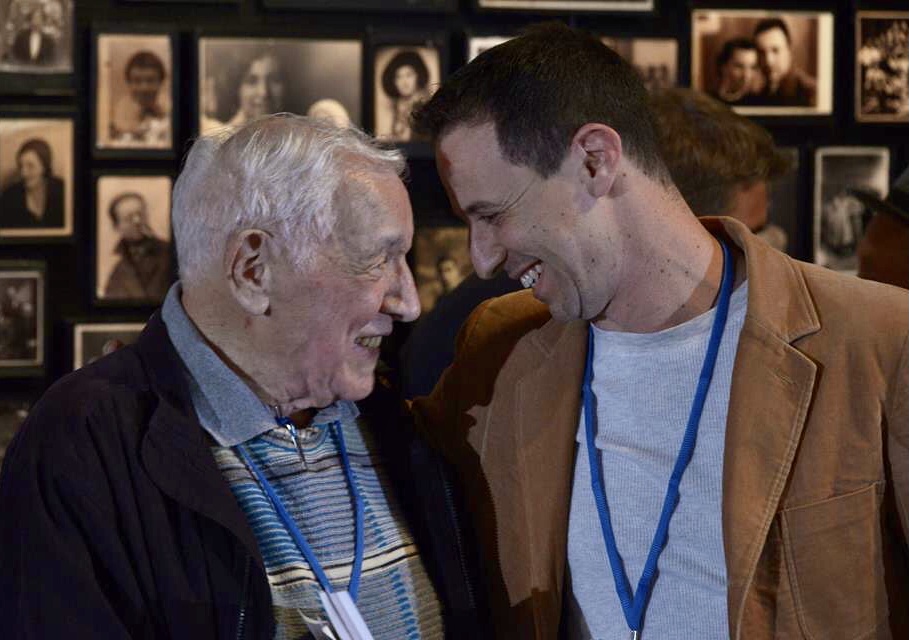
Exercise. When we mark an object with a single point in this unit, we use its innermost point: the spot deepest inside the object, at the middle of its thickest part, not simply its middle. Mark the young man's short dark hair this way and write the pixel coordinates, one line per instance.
(731, 47)
(772, 23)
(538, 89)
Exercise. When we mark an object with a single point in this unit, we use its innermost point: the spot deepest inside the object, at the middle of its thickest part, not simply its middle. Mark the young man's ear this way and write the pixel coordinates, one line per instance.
(249, 269)
(601, 147)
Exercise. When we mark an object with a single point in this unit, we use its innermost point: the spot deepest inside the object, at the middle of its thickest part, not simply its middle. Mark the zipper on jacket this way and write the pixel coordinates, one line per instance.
(241, 620)
(459, 545)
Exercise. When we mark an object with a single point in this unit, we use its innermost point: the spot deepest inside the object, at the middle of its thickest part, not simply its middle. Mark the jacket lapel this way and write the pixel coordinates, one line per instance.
(772, 388)
(548, 408)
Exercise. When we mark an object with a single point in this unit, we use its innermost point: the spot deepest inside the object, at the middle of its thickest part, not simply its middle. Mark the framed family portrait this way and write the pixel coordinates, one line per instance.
(568, 5)
(840, 218)
(22, 314)
(92, 340)
(882, 66)
(770, 63)
(14, 410)
(244, 78)
(135, 86)
(403, 76)
(133, 248)
(36, 177)
(656, 59)
(36, 46)
(441, 262)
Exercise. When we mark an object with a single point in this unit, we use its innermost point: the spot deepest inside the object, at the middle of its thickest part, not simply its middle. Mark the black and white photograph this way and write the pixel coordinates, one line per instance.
(478, 44)
(134, 91)
(13, 412)
(36, 36)
(840, 217)
(442, 261)
(568, 5)
(133, 246)
(882, 66)
(783, 221)
(92, 340)
(764, 62)
(403, 76)
(36, 177)
(21, 316)
(656, 59)
(243, 78)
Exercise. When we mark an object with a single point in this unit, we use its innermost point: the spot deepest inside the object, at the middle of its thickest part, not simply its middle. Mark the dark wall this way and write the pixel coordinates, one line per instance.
(70, 263)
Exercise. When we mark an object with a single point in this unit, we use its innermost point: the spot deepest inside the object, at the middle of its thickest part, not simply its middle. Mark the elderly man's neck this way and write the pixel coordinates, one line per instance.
(225, 330)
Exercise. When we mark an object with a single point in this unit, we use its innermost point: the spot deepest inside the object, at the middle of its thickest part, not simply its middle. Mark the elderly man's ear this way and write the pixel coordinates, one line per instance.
(250, 257)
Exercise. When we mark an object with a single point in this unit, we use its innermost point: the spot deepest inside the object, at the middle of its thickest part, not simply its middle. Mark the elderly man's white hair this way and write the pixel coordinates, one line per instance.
(279, 173)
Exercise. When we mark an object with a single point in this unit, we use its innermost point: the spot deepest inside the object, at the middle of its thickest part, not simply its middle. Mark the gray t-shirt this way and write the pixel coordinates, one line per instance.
(644, 386)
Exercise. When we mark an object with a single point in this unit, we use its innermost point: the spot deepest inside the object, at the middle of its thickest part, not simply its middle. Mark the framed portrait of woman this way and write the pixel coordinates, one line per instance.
(22, 318)
(242, 78)
(134, 80)
(36, 177)
(403, 77)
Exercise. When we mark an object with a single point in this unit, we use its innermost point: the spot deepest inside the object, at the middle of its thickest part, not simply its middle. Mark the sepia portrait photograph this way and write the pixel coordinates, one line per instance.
(13, 412)
(441, 262)
(36, 36)
(656, 59)
(21, 316)
(840, 218)
(478, 44)
(882, 66)
(403, 76)
(134, 91)
(764, 62)
(36, 177)
(243, 78)
(568, 5)
(91, 340)
(134, 251)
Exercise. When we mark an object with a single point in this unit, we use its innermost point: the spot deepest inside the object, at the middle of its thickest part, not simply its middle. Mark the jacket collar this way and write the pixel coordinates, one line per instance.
(772, 386)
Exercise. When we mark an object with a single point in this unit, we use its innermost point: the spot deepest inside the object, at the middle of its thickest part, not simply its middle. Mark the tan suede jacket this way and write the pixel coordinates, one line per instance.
(816, 469)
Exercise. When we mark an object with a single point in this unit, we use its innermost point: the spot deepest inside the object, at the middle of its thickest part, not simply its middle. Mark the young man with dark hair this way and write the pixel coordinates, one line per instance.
(786, 84)
(790, 383)
(737, 70)
(139, 116)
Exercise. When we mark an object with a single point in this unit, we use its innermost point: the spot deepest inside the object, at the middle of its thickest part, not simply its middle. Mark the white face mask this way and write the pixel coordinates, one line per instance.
(774, 236)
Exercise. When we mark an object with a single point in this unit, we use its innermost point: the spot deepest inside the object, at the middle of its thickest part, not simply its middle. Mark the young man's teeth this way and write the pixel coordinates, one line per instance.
(531, 276)
(371, 342)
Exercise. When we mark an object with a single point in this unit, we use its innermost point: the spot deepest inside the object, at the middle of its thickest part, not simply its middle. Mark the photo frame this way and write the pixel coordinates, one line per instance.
(416, 6)
(134, 254)
(244, 77)
(36, 47)
(616, 6)
(881, 83)
(656, 59)
(441, 262)
(134, 93)
(478, 44)
(37, 175)
(840, 218)
(14, 410)
(92, 340)
(23, 326)
(764, 63)
(403, 75)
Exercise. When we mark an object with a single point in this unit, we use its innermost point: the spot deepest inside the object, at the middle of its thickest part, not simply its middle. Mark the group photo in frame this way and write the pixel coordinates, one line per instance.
(36, 36)
(243, 78)
(134, 93)
(22, 313)
(569, 5)
(882, 66)
(840, 218)
(769, 63)
(441, 262)
(656, 59)
(92, 340)
(133, 247)
(403, 76)
(36, 177)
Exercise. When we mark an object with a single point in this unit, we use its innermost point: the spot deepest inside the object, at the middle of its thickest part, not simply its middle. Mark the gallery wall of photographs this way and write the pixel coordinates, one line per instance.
(99, 99)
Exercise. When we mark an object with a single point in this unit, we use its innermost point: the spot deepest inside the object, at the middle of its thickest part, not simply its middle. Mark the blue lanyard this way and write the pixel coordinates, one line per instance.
(634, 607)
(295, 532)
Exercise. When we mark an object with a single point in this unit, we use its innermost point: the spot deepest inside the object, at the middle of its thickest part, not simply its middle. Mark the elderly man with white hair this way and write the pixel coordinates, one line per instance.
(217, 479)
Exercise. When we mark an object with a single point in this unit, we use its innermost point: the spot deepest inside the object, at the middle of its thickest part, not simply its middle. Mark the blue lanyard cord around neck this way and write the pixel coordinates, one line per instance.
(634, 607)
(291, 526)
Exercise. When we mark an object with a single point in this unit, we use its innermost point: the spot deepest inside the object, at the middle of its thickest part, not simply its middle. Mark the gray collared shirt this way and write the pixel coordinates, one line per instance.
(225, 405)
